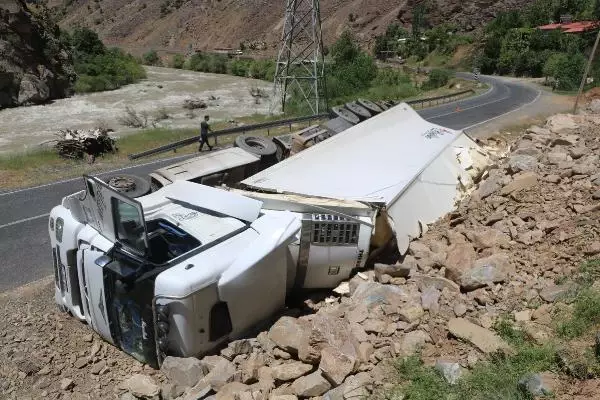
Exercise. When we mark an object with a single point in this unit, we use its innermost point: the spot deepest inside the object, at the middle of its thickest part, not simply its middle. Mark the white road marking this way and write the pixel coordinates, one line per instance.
(510, 112)
(470, 108)
(24, 220)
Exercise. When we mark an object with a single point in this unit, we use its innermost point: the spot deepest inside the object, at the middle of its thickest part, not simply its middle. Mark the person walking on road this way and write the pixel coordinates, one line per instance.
(204, 129)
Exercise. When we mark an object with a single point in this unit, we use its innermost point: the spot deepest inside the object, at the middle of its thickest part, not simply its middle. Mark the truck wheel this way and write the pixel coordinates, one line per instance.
(130, 185)
(359, 110)
(346, 115)
(369, 105)
(256, 145)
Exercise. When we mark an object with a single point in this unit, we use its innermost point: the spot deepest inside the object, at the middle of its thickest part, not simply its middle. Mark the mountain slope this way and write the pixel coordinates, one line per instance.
(206, 24)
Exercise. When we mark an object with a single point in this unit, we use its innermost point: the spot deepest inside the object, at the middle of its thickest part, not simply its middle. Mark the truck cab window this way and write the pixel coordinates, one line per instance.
(129, 225)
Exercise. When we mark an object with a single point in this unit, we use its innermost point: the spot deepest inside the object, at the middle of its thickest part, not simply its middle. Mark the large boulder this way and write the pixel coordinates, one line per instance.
(290, 371)
(290, 334)
(337, 364)
(486, 271)
(142, 387)
(183, 371)
(459, 259)
(311, 385)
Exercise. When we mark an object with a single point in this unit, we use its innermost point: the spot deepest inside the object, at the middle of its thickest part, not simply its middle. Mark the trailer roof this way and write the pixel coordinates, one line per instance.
(373, 161)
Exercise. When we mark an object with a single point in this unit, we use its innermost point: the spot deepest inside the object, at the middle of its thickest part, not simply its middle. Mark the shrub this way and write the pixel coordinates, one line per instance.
(99, 68)
(132, 119)
(151, 58)
(437, 78)
(178, 61)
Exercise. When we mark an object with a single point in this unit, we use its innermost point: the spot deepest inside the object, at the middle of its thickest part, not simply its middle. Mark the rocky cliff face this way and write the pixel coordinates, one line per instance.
(34, 65)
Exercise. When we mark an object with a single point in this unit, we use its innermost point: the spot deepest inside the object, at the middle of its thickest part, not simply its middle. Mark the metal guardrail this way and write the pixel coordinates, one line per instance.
(431, 101)
(273, 124)
(228, 131)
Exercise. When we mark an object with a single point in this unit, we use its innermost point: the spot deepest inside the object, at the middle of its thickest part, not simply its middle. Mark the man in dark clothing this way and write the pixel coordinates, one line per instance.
(204, 129)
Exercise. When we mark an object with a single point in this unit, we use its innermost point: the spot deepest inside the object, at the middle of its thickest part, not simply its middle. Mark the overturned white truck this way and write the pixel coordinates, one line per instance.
(184, 269)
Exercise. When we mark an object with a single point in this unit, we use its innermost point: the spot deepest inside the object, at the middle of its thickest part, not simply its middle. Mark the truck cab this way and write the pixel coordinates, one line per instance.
(175, 272)
(227, 166)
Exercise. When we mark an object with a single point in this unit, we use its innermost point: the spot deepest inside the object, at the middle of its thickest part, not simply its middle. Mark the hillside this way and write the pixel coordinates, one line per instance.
(205, 24)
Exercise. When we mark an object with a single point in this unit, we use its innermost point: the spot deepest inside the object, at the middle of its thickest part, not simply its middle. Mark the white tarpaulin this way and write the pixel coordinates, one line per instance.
(396, 158)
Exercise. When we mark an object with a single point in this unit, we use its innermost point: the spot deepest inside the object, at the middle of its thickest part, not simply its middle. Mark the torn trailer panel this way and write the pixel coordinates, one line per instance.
(415, 169)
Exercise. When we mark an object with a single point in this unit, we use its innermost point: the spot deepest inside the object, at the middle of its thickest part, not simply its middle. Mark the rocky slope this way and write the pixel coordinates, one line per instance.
(207, 24)
(34, 66)
(528, 225)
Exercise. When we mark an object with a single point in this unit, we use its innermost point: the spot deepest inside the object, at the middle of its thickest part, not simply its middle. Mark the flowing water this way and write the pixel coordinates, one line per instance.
(25, 128)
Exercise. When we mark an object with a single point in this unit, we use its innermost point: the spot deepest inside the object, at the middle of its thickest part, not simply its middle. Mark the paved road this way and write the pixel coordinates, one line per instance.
(24, 243)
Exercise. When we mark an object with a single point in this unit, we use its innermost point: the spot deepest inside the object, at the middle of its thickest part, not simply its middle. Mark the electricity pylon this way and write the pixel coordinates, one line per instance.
(300, 70)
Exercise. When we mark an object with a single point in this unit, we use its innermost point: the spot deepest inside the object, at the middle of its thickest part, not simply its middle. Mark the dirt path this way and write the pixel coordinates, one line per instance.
(24, 128)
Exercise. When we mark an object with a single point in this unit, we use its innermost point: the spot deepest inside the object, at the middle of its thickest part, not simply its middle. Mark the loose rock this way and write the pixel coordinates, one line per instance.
(184, 372)
(483, 339)
(311, 385)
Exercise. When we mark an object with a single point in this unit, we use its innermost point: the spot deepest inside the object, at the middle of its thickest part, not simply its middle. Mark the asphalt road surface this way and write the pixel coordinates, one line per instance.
(24, 242)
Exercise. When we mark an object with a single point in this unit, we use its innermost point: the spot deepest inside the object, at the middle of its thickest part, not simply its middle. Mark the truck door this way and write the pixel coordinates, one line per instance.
(115, 216)
(92, 280)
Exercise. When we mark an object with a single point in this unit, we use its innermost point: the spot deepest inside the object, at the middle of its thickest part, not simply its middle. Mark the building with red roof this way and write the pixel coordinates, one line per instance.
(572, 27)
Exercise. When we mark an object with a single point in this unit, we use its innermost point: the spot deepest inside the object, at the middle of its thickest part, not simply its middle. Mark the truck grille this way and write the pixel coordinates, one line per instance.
(334, 230)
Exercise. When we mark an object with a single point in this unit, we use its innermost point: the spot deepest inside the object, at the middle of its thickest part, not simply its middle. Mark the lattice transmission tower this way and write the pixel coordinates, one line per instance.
(300, 71)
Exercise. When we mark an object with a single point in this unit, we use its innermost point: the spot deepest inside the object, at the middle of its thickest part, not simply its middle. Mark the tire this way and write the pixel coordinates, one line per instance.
(383, 105)
(132, 186)
(369, 105)
(346, 115)
(256, 145)
(359, 110)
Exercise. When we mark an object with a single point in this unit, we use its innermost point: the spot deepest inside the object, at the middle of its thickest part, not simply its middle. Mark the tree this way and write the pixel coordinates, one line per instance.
(418, 22)
(539, 13)
(85, 41)
(345, 49)
(566, 69)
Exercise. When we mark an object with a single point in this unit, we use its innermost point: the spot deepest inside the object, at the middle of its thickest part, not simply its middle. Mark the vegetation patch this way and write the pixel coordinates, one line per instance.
(97, 67)
(495, 379)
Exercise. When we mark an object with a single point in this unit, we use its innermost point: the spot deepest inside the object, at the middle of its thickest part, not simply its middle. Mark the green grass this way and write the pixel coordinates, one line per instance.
(21, 161)
(584, 316)
(507, 331)
(41, 166)
(589, 272)
(495, 379)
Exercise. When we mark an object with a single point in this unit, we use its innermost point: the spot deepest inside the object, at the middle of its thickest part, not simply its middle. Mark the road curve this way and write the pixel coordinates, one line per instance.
(24, 242)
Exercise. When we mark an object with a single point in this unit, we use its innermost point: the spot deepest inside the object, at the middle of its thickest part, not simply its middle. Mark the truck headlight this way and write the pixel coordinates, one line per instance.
(162, 312)
(59, 229)
(162, 329)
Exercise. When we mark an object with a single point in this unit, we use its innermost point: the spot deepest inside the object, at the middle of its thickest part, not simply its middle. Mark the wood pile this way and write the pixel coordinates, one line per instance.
(75, 144)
